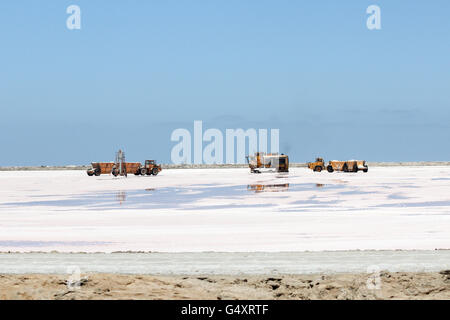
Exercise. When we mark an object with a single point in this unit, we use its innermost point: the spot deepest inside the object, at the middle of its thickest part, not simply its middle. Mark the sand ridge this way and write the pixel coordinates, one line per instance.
(400, 285)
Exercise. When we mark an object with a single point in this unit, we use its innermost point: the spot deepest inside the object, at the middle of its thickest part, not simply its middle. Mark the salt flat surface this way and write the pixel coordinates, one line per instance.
(226, 210)
(230, 263)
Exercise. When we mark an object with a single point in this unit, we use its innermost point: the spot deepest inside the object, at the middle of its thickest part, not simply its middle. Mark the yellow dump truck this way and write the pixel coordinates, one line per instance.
(362, 165)
(261, 161)
(335, 165)
(347, 166)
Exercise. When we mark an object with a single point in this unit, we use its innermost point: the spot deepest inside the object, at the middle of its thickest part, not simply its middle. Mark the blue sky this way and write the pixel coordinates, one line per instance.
(137, 70)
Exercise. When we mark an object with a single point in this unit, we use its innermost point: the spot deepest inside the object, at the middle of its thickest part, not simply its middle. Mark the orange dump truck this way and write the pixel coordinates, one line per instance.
(99, 168)
(150, 168)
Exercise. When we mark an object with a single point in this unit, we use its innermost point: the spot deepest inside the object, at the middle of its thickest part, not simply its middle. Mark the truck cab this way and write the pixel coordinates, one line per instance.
(150, 168)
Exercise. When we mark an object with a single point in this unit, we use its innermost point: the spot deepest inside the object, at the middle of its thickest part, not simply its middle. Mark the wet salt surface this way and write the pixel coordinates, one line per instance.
(172, 197)
(230, 210)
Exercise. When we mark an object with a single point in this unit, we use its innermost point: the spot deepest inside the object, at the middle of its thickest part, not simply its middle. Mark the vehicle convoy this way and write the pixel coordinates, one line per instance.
(334, 165)
(261, 161)
(150, 168)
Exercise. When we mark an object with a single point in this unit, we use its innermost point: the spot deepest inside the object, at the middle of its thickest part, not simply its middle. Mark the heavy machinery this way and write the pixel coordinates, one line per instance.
(120, 167)
(261, 161)
(150, 168)
(362, 165)
(347, 166)
(99, 168)
(317, 165)
(334, 165)
(125, 168)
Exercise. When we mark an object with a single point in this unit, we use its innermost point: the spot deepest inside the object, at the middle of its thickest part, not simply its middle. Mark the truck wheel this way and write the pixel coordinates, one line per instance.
(330, 169)
(97, 173)
(318, 168)
(90, 173)
(365, 169)
(115, 172)
(155, 171)
(143, 171)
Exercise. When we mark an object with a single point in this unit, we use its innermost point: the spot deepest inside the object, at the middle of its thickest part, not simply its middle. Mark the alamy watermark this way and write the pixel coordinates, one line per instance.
(374, 20)
(190, 147)
(73, 22)
(74, 280)
(374, 280)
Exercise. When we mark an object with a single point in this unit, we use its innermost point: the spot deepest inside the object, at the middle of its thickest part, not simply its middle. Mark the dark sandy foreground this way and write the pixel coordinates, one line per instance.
(340, 286)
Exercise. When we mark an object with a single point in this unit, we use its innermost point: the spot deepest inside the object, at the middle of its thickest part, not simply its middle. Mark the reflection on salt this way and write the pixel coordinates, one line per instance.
(28, 243)
(121, 196)
(268, 187)
(181, 198)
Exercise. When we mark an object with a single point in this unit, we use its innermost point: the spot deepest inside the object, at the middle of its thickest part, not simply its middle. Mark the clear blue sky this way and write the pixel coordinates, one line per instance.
(139, 69)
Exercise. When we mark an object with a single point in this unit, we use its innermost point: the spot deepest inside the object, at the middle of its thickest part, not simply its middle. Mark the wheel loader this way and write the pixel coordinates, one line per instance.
(317, 165)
